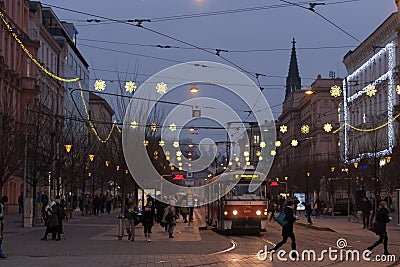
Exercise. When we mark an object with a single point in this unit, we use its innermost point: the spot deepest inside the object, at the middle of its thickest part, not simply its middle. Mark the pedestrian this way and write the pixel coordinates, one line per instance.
(308, 211)
(52, 220)
(287, 230)
(184, 211)
(169, 217)
(317, 208)
(21, 203)
(96, 205)
(382, 218)
(130, 209)
(366, 207)
(148, 219)
(108, 204)
(60, 215)
(3, 200)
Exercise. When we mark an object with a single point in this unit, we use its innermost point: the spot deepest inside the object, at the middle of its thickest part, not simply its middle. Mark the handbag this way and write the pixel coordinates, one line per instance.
(281, 219)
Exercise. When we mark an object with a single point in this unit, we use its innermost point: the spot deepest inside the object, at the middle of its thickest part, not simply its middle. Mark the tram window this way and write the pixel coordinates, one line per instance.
(242, 192)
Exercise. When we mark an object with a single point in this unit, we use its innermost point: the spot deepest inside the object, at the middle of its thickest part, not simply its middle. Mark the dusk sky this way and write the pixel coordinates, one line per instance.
(266, 25)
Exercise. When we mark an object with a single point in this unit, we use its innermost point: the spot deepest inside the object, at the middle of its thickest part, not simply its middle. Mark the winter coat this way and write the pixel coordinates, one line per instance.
(366, 207)
(169, 215)
(287, 230)
(53, 218)
(130, 210)
(148, 216)
(382, 218)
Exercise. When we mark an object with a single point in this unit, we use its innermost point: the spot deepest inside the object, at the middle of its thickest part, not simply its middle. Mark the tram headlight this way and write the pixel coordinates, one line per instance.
(225, 213)
(235, 212)
(258, 212)
(265, 212)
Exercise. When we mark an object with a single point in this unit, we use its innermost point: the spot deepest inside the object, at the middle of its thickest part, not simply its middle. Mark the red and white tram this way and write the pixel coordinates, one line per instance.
(239, 210)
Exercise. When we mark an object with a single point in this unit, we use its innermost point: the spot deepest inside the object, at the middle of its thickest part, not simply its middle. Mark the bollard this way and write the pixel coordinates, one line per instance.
(120, 226)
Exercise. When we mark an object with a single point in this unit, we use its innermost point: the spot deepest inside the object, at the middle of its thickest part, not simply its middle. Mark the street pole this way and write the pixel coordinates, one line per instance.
(27, 208)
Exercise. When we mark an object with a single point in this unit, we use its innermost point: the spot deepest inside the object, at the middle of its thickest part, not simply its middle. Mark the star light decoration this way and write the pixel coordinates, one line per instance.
(172, 127)
(100, 85)
(178, 153)
(154, 127)
(278, 143)
(273, 152)
(175, 144)
(336, 91)
(294, 142)
(161, 143)
(130, 86)
(305, 129)
(263, 145)
(283, 128)
(134, 124)
(161, 88)
(146, 142)
(398, 89)
(370, 90)
(328, 127)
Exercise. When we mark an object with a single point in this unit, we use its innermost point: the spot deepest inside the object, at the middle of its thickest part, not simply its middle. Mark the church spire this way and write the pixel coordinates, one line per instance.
(293, 80)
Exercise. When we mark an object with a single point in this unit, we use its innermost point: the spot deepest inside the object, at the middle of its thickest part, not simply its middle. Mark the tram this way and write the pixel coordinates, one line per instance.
(239, 210)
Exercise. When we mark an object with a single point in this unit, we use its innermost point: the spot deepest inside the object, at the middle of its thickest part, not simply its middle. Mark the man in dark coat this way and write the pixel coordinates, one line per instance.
(287, 230)
(308, 211)
(382, 218)
(366, 208)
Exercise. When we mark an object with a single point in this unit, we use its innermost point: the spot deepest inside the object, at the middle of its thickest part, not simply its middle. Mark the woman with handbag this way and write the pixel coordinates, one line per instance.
(382, 218)
(287, 230)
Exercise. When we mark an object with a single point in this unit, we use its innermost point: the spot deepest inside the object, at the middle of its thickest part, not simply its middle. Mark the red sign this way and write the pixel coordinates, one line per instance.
(274, 184)
(179, 177)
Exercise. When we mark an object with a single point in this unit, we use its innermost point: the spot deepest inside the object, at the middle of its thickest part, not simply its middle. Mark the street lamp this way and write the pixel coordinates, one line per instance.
(68, 148)
(194, 89)
(91, 157)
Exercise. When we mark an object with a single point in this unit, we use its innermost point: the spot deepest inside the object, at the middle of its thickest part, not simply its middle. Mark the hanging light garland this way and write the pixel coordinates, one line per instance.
(14, 35)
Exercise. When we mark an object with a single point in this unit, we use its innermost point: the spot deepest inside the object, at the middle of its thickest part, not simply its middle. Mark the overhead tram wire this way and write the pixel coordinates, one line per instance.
(311, 8)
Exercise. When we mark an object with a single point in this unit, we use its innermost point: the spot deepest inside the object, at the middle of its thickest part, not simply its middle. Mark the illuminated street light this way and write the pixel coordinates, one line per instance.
(91, 157)
(68, 148)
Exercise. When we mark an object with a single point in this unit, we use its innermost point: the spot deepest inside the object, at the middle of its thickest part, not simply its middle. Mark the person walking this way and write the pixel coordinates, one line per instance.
(169, 217)
(52, 220)
(308, 211)
(317, 208)
(287, 230)
(60, 215)
(130, 209)
(148, 219)
(382, 218)
(21, 203)
(366, 208)
(3, 200)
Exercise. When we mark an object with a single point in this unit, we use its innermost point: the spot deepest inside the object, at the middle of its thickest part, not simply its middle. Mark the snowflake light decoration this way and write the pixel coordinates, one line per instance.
(328, 127)
(175, 144)
(336, 91)
(246, 153)
(178, 153)
(278, 143)
(294, 142)
(154, 127)
(263, 145)
(100, 85)
(398, 89)
(283, 128)
(305, 129)
(370, 91)
(161, 88)
(172, 127)
(146, 142)
(134, 124)
(161, 143)
(130, 86)
(273, 152)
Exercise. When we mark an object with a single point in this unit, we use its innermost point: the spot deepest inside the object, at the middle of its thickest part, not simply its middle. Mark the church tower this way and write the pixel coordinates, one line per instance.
(293, 80)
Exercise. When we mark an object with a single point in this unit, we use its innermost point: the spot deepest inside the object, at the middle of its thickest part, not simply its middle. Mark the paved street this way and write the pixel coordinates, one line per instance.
(92, 241)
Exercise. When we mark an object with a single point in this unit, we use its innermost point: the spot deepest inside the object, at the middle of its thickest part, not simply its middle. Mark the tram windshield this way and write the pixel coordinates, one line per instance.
(241, 192)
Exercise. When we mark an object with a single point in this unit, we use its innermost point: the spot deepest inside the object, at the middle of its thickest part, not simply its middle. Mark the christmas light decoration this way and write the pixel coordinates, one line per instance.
(370, 90)
(178, 158)
(328, 127)
(146, 142)
(175, 144)
(161, 143)
(278, 143)
(398, 89)
(161, 88)
(134, 124)
(283, 128)
(28, 53)
(172, 127)
(258, 153)
(336, 91)
(262, 144)
(130, 86)
(273, 152)
(154, 127)
(100, 85)
(294, 143)
(178, 153)
(246, 153)
(305, 129)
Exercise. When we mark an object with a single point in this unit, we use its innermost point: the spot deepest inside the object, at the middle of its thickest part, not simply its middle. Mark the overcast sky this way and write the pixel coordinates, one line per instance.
(270, 27)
